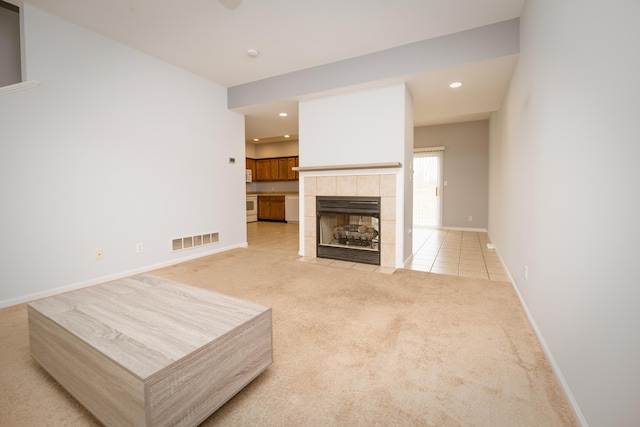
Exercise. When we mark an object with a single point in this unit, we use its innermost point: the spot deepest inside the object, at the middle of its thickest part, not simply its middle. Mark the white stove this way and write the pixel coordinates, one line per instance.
(252, 208)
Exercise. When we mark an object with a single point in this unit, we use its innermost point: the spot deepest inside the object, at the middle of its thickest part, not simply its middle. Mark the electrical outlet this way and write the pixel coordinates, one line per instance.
(139, 248)
(526, 273)
(99, 254)
(470, 218)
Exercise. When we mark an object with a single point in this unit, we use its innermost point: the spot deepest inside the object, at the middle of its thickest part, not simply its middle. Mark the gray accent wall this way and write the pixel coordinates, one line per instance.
(491, 41)
(465, 169)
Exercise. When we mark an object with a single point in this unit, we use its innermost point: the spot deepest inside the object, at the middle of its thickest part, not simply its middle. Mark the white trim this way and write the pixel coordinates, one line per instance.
(477, 230)
(348, 167)
(426, 149)
(408, 261)
(17, 87)
(103, 279)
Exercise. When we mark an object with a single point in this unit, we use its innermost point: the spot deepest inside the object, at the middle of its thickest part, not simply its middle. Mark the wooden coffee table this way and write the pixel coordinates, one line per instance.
(148, 351)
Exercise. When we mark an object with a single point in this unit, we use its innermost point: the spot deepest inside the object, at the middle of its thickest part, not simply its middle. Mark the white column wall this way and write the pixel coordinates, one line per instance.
(360, 127)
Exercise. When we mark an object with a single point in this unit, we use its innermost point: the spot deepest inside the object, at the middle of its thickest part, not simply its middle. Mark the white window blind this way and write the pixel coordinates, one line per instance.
(426, 191)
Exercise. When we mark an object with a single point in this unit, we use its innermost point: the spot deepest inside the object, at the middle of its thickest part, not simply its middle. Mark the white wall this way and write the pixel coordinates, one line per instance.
(364, 126)
(113, 148)
(565, 196)
(273, 149)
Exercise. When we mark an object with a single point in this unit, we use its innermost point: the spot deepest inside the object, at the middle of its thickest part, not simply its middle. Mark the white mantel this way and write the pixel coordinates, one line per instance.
(348, 167)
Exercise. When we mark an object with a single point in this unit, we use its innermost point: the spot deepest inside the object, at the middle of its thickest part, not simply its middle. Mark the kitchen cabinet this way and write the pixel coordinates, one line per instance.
(251, 165)
(273, 170)
(276, 210)
(263, 170)
(283, 174)
(291, 163)
(276, 169)
(271, 208)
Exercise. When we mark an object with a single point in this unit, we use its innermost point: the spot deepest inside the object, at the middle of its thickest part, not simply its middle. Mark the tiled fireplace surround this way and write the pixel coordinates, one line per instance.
(376, 185)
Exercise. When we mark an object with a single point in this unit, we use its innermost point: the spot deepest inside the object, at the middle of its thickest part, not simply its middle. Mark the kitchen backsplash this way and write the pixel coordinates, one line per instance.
(270, 186)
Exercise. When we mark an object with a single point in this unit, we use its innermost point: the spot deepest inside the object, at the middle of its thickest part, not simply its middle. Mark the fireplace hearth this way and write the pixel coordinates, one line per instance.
(348, 228)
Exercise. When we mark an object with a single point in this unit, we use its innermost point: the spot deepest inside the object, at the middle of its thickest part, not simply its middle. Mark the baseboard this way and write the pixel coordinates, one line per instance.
(554, 366)
(111, 277)
(408, 261)
(477, 230)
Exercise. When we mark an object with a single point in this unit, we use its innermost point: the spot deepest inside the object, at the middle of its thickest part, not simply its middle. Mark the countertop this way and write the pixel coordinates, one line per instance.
(272, 193)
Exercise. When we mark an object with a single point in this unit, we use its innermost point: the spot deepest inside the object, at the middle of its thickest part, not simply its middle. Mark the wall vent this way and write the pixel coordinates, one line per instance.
(194, 241)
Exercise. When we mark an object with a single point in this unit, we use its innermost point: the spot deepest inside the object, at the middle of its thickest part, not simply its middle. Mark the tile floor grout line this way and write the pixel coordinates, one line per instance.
(460, 254)
(436, 257)
(484, 260)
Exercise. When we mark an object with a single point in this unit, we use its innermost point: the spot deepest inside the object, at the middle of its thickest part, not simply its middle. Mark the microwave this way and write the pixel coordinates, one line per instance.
(248, 175)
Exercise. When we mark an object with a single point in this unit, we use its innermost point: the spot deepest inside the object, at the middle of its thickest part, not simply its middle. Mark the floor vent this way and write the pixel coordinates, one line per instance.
(194, 241)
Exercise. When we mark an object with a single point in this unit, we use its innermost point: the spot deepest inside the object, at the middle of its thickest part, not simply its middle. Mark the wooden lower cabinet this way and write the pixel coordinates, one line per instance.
(271, 208)
(277, 208)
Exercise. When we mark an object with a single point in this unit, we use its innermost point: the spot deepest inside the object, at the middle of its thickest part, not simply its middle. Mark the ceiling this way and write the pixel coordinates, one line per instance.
(211, 38)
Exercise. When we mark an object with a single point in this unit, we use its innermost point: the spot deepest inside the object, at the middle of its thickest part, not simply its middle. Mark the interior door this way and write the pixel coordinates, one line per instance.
(427, 189)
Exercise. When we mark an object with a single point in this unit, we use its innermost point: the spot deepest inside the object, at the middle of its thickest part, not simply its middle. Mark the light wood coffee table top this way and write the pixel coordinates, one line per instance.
(156, 330)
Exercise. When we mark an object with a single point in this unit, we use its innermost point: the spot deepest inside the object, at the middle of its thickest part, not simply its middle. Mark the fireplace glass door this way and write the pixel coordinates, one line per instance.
(349, 229)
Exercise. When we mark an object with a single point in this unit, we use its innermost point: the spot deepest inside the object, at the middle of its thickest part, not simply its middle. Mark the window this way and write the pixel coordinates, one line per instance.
(10, 69)
(427, 190)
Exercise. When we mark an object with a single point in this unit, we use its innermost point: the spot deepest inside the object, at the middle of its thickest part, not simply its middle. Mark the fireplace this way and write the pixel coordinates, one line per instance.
(348, 228)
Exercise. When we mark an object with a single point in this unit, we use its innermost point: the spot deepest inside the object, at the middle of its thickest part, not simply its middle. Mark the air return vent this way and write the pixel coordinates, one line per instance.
(194, 241)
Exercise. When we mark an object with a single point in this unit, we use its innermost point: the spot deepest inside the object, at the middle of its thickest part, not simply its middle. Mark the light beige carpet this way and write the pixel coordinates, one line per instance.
(351, 348)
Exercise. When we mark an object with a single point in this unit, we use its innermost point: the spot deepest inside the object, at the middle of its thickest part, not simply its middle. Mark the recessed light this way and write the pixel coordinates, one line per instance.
(286, 136)
(256, 139)
(283, 114)
(253, 53)
(455, 85)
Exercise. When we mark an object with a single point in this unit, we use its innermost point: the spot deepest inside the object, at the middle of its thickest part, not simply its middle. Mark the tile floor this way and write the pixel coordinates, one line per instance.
(458, 253)
(274, 236)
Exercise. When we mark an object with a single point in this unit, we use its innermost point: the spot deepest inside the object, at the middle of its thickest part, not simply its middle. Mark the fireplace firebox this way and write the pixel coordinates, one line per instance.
(348, 228)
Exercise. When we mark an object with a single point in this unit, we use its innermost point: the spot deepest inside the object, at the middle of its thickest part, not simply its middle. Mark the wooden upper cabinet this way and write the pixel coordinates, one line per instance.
(282, 169)
(275, 169)
(263, 170)
(291, 163)
(251, 165)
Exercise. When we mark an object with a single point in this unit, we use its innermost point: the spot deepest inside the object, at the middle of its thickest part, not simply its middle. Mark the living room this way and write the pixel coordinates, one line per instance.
(115, 147)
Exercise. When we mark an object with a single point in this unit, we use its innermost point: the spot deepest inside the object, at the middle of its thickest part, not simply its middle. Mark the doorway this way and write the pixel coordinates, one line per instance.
(427, 188)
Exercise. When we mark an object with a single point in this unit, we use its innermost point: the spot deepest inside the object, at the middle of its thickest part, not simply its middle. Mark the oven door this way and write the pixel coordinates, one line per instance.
(252, 208)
